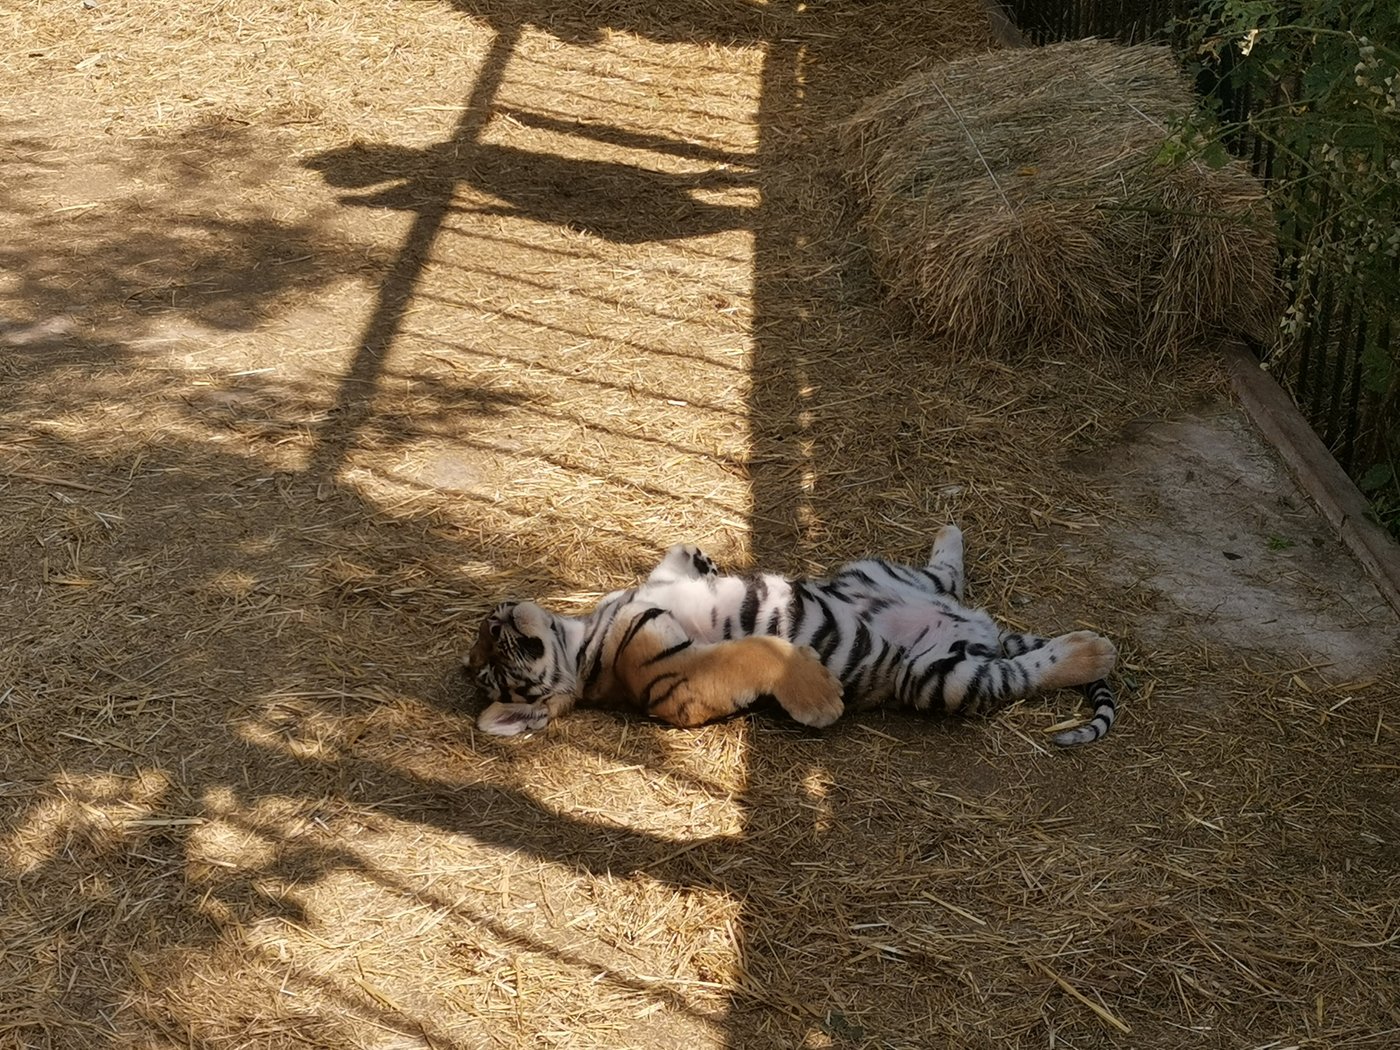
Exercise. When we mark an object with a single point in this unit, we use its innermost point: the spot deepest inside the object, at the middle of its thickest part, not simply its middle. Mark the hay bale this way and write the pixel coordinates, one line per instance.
(1016, 199)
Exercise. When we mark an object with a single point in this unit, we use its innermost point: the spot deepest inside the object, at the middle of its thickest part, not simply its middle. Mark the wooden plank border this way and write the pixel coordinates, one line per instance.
(1319, 475)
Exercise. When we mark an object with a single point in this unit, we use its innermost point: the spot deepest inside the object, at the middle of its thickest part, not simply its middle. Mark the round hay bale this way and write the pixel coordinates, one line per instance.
(1017, 199)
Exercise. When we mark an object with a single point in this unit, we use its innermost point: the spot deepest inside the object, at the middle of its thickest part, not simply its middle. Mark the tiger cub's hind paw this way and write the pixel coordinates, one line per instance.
(1080, 658)
(807, 690)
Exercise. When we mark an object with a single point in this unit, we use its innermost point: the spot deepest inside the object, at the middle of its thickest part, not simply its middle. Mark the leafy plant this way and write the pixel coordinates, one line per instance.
(1382, 484)
(1310, 90)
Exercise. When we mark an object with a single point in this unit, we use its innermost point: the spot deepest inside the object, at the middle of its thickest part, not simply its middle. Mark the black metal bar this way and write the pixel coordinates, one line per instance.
(1378, 448)
(1310, 301)
(1353, 415)
(1322, 327)
(1339, 366)
(1264, 157)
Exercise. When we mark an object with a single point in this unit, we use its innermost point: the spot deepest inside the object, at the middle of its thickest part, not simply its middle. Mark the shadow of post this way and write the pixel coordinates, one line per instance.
(779, 459)
(431, 194)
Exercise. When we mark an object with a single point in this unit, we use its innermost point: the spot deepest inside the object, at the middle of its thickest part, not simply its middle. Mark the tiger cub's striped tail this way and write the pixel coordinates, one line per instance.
(1098, 695)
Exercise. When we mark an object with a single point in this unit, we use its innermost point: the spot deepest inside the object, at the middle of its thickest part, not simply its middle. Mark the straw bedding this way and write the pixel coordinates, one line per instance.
(245, 533)
(1015, 200)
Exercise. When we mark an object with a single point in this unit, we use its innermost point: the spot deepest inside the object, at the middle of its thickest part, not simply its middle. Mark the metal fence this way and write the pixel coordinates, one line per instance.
(1342, 322)
(1128, 21)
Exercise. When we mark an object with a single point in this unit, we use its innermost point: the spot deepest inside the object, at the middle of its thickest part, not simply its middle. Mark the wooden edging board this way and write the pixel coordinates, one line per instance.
(1275, 416)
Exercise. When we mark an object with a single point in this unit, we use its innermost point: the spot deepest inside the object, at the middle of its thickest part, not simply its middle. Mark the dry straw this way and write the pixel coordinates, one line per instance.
(242, 802)
(1016, 199)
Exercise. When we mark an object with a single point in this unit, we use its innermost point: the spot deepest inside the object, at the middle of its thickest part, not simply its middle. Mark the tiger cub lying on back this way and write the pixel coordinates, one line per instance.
(690, 645)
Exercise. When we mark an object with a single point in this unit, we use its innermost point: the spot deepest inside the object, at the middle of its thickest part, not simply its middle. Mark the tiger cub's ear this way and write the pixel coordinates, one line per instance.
(513, 719)
(483, 652)
(530, 620)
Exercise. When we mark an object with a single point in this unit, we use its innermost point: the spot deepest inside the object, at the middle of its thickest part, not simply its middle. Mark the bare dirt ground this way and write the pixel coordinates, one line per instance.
(326, 325)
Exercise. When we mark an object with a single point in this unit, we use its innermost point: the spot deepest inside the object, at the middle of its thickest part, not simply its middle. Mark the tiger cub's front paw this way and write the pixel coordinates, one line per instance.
(808, 691)
(513, 719)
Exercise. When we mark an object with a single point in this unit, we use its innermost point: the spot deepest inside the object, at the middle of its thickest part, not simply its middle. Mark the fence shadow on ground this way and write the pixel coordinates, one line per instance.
(238, 728)
(281, 734)
(273, 730)
(816, 324)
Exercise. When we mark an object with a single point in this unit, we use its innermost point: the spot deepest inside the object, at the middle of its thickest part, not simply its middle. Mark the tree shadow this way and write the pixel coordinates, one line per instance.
(150, 234)
(236, 727)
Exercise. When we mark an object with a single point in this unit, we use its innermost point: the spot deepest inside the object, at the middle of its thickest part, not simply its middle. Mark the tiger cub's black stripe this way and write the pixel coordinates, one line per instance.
(666, 654)
(635, 628)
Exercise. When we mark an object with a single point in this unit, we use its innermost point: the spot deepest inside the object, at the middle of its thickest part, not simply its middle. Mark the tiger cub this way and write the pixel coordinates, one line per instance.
(682, 647)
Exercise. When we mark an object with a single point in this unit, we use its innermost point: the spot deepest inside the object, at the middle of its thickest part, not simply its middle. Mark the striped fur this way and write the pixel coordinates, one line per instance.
(890, 634)
(537, 666)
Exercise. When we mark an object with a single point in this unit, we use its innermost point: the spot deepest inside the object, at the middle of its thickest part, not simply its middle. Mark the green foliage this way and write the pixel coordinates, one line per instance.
(1377, 478)
(1322, 84)
(1382, 484)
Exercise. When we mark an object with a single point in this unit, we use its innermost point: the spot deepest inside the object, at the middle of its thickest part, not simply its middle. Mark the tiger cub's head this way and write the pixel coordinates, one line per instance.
(520, 660)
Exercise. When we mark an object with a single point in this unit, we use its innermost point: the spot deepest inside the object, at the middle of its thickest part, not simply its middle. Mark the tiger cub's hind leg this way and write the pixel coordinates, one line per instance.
(945, 562)
(1078, 658)
(1098, 695)
(970, 678)
(689, 683)
(707, 682)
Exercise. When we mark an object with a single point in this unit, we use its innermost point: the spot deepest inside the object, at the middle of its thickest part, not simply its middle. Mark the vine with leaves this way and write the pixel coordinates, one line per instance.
(1311, 90)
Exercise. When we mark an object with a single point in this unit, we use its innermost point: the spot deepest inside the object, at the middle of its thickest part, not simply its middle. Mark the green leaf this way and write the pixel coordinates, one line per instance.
(1215, 155)
(835, 1023)
(1377, 367)
(1376, 478)
(1319, 80)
